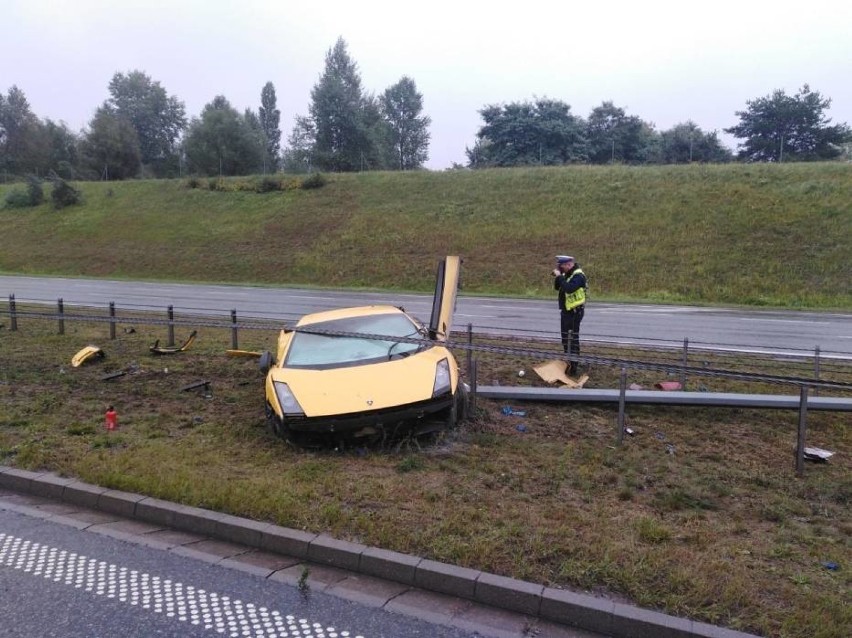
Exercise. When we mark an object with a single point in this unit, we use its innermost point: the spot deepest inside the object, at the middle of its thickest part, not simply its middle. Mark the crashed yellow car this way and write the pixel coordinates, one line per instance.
(367, 372)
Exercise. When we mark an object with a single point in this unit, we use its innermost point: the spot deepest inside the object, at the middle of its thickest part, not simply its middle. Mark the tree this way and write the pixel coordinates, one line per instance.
(110, 147)
(63, 148)
(19, 129)
(616, 137)
(401, 107)
(342, 142)
(157, 118)
(270, 117)
(543, 132)
(379, 153)
(28, 145)
(223, 142)
(686, 142)
(298, 158)
(778, 128)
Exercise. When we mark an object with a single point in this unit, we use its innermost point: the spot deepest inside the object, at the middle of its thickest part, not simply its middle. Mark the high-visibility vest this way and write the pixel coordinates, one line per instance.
(578, 297)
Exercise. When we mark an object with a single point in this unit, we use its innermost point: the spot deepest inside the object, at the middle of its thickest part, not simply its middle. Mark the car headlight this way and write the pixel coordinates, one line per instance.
(443, 381)
(287, 400)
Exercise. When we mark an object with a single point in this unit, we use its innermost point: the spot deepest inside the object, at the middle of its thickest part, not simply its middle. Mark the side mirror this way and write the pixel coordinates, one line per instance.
(266, 362)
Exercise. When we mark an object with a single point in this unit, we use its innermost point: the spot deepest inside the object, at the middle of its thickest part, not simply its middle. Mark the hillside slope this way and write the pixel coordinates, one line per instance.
(728, 234)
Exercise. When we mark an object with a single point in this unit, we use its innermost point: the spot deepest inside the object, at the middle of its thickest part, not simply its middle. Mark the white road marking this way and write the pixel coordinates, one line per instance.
(185, 603)
(798, 321)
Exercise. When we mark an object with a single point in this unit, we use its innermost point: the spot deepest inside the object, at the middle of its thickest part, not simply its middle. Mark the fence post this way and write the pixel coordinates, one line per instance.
(60, 306)
(112, 320)
(234, 329)
(473, 385)
(469, 346)
(816, 367)
(803, 425)
(622, 391)
(685, 360)
(171, 326)
(13, 313)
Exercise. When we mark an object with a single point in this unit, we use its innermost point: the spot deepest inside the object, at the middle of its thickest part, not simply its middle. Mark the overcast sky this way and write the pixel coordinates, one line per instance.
(665, 61)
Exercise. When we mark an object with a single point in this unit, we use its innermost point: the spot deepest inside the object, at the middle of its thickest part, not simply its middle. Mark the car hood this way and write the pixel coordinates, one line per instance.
(364, 388)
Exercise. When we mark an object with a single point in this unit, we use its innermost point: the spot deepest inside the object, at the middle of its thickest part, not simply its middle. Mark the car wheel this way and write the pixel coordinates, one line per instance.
(463, 400)
(266, 362)
(274, 423)
(455, 413)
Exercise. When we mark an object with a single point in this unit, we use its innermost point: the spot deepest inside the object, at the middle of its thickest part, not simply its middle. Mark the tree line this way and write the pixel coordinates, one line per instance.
(142, 131)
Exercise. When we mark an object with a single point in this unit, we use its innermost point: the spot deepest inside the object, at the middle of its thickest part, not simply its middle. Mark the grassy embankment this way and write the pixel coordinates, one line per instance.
(714, 528)
(736, 234)
(698, 514)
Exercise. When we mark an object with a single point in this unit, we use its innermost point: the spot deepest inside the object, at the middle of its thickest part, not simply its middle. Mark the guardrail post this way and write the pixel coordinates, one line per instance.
(60, 308)
(622, 391)
(469, 346)
(473, 385)
(13, 313)
(112, 320)
(816, 368)
(685, 360)
(171, 326)
(803, 425)
(234, 329)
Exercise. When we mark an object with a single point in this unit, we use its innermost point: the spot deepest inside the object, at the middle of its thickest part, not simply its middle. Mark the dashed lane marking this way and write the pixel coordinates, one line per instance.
(185, 603)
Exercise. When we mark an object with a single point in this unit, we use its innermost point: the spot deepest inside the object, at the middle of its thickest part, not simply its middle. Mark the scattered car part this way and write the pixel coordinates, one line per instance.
(242, 353)
(669, 386)
(553, 371)
(817, 454)
(157, 349)
(195, 385)
(87, 354)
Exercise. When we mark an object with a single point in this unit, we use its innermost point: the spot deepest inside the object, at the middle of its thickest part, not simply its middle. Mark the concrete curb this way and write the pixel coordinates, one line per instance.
(557, 605)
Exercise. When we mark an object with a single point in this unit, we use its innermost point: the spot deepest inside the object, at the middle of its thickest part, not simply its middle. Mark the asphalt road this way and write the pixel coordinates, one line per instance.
(782, 332)
(59, 581)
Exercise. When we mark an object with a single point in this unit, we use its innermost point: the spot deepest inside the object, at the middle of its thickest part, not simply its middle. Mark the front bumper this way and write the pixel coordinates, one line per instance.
(378, 419)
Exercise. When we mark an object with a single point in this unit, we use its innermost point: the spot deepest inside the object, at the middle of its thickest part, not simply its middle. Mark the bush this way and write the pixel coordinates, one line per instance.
(64, 194)
(17, 198)
(194, 182)
(35, 191)
(315, 180)
(32, 196)
(267, 184)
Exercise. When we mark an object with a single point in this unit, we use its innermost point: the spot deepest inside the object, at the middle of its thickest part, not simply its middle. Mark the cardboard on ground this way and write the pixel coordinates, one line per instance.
(553, 371)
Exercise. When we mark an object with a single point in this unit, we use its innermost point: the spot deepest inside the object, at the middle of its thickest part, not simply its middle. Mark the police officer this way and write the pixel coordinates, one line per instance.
(570, 281)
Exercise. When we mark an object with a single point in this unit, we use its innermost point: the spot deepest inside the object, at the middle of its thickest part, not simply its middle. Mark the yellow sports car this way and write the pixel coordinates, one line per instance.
(366, 372)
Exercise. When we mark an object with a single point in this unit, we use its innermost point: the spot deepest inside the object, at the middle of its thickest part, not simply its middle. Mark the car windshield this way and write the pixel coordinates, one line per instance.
(309, 350)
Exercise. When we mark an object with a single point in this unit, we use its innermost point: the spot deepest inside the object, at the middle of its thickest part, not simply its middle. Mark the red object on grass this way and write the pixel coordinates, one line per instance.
(668, 385)
(111, 419)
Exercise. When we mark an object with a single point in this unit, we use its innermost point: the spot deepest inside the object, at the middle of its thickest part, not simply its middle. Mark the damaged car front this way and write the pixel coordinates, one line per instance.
(367, 372)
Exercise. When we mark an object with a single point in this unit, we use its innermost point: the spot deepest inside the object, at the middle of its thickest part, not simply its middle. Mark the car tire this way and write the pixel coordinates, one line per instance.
(274, 423)
(458, 410)
(463, 399)
(266, 362)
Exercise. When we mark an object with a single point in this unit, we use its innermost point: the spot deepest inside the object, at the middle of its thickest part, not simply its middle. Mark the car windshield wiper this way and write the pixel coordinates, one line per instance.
(407, 352)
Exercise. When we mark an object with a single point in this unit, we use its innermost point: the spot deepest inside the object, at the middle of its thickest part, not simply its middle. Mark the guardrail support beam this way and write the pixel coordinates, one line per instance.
(803, 426)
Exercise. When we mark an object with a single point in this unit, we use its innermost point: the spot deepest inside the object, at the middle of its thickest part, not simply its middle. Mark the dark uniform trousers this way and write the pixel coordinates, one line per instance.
(571, 333)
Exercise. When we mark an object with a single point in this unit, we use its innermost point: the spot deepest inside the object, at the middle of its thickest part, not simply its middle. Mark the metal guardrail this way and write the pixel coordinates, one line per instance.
(465, 342)
(656, 397)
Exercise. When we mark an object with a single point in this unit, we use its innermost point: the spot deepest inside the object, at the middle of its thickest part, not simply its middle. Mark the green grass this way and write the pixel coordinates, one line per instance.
(720, 530)
(764, 235)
